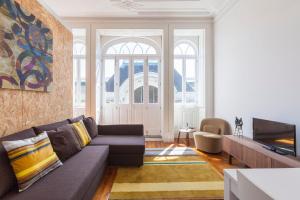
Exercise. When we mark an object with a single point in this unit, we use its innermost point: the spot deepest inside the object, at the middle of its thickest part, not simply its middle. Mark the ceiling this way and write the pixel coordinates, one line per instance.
(137, 8)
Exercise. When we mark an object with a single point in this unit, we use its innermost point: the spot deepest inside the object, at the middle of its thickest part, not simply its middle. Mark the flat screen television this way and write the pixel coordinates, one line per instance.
(280, 137)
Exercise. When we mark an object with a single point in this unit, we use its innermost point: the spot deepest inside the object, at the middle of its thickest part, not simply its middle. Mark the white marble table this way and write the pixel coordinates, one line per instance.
(230, 184)
(262, 184)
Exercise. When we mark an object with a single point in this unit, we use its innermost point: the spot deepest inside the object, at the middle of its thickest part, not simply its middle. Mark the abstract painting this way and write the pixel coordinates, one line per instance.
(26, 45)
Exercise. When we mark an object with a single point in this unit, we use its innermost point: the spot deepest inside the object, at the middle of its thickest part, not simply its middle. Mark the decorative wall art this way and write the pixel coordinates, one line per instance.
(26, 46)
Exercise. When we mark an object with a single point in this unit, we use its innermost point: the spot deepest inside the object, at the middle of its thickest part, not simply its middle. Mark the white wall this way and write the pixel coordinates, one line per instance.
(257, 62)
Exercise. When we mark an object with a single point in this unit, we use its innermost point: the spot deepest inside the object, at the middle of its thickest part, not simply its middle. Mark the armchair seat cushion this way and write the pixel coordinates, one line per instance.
(126, 144)
(208, 142)
(208, 135)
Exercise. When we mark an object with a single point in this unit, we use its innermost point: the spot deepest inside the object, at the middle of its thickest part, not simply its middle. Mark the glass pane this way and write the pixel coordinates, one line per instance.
(183, 47)
(82, 69)
(124, 50)
(190, 51)
(138, 87)
(124, 82)
(153, 81)
(109, 75)
(178, 78)
(138, 50)
(151, 51)
(190, 86)
(118, 47)
(190, 95)
(82, 81)
(177, 51)
(144, 47)
(131, 46)
(190, 68)
(79, 49)
(111, 51)
(79, 86)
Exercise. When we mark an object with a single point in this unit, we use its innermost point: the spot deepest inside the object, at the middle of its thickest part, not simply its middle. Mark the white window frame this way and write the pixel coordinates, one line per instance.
(184, 57)
(77, 58)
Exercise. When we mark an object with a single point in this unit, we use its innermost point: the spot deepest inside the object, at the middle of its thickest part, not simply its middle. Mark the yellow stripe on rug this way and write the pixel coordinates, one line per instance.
(175, 186)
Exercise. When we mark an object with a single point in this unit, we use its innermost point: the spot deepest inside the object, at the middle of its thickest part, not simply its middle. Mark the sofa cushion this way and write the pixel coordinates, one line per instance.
(8, 179)
(91, 126)
(49, 127)
(81, 133)
(76, 119)
(31, 159)
(121, 144)
(71, 181)
(64, 142)
(121, 129)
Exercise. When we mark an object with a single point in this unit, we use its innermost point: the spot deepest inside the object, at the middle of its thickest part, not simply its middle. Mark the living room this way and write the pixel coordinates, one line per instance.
(146, 99)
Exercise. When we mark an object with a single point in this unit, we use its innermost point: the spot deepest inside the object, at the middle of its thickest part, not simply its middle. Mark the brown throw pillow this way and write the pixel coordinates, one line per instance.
(76, 119)
(211, 129)
(64, 142)
(91, 126)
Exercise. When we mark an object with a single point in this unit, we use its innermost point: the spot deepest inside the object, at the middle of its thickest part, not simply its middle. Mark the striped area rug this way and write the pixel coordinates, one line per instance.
(168, 177)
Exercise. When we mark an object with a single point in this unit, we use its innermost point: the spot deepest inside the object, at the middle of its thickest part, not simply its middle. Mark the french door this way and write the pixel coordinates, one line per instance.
(131, 89)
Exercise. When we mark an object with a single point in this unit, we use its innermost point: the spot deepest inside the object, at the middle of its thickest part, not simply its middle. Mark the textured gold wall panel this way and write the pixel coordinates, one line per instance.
(24, 109)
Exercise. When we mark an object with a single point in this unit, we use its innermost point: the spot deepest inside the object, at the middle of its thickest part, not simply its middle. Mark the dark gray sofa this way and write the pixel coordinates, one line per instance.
(126, 143)
(81, 174)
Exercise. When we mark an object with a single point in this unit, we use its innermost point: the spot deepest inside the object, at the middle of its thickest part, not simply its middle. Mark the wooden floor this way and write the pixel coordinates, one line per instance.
(219, 161)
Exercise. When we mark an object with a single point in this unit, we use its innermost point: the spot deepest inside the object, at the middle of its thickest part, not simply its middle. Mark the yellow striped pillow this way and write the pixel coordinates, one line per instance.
(81, 133)
(31, 159)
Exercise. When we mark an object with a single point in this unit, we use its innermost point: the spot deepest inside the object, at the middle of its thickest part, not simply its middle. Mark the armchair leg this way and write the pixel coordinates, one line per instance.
(178, 137)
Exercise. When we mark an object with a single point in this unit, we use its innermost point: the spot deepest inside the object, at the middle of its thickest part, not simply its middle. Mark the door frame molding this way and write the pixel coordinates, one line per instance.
(167, 25)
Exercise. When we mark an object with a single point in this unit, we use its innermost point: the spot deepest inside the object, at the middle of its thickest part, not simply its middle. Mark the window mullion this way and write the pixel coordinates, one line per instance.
(78, 89)
(184, 81)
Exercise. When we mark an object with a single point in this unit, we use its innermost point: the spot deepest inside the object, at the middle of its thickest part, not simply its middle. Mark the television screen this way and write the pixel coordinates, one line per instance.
(280, 136)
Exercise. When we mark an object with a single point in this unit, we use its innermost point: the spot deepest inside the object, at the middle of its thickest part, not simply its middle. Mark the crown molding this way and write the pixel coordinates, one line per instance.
(223, 11)
(138, 20)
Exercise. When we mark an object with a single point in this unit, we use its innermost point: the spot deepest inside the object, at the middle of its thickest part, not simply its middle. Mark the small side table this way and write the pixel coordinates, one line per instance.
(187, 131)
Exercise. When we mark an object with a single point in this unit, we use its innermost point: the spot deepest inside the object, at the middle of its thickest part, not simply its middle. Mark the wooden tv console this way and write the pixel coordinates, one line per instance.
(254, 155)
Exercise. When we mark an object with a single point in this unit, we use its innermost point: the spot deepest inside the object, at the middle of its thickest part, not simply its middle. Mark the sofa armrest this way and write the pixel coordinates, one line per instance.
(137, 130)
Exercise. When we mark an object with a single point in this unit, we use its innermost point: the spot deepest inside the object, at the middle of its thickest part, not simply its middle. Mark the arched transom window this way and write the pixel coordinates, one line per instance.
(184, 49)
(131, 48)
(79, 48)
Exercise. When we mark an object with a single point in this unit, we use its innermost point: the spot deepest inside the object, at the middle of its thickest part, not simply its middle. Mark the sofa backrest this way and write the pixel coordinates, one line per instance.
(49, 127)
(7, 178)
(121, 129)
(76, 119)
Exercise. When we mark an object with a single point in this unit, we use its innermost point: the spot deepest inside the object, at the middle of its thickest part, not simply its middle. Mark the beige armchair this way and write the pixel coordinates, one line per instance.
(209, 138)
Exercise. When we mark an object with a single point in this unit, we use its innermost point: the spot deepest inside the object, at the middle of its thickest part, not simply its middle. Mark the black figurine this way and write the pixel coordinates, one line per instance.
(238, 126)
